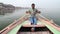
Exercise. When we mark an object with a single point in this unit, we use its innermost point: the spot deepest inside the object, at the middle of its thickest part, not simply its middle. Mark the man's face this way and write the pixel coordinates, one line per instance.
(33, 6)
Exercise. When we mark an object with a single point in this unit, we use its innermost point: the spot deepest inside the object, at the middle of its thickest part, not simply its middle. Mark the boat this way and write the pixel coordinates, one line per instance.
(23, 26)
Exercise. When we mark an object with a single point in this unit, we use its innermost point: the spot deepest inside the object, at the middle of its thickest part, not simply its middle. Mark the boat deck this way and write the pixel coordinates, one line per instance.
(17, 24)
(22, 28)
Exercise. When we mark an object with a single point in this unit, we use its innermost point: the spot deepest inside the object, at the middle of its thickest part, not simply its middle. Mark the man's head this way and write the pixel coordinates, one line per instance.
(33, 5)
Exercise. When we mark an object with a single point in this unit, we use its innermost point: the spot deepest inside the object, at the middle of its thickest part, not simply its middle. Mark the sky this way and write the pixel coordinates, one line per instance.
(38, 3)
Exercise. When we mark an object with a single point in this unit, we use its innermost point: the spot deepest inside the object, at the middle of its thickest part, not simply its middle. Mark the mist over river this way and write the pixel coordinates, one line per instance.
(50, 13)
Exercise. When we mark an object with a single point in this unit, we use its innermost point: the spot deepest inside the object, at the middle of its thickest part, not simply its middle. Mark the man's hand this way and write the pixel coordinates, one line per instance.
(28, 12)
(38, 12)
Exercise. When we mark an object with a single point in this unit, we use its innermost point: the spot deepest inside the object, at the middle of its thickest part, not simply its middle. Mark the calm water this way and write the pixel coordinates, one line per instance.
(51, 13)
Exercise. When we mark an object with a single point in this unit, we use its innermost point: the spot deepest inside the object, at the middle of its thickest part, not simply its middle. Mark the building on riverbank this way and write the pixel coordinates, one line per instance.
(6, 8)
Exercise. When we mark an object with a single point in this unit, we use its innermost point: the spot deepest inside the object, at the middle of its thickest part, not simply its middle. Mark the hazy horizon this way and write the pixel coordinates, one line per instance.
(39, 3)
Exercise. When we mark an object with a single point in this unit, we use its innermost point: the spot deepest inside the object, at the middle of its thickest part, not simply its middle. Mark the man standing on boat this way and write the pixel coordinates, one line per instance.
(33, 11)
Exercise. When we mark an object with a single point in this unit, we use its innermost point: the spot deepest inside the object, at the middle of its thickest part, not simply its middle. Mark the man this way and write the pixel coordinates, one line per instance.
(33, 13)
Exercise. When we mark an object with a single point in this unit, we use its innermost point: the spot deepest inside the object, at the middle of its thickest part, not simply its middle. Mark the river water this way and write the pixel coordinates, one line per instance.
(50, 13)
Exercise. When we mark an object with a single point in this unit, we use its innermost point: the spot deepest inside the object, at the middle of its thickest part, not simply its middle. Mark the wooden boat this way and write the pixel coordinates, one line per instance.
(23, 26)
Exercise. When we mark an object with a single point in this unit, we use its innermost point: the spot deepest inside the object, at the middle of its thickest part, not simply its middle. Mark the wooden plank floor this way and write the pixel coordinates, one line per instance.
(38, 30)
(44, 32)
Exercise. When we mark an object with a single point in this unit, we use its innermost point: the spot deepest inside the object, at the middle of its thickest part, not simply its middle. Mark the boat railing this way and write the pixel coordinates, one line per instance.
(51, 21)
(12, 25)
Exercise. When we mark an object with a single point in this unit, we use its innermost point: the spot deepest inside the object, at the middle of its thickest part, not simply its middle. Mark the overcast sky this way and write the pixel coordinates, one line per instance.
(39, 3)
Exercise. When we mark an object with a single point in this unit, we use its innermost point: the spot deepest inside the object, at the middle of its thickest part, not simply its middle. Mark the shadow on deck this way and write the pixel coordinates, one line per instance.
(38, 30)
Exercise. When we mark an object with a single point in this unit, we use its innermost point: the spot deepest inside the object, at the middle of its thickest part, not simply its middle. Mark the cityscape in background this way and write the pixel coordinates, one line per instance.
(6, 8)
